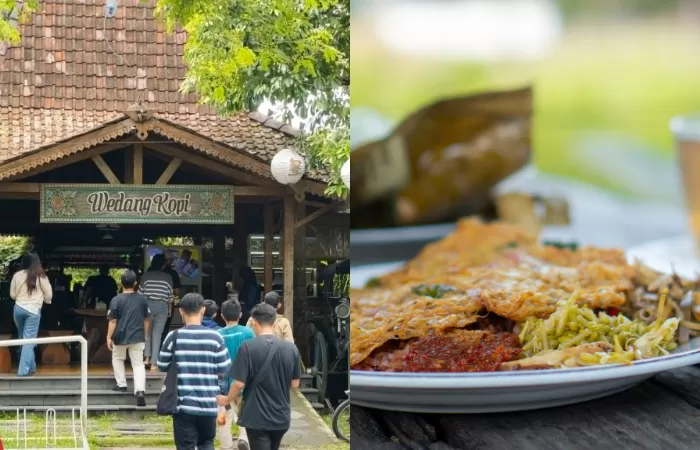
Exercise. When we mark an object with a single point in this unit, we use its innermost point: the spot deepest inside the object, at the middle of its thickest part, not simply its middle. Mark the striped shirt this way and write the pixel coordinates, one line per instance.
(156, 286)
(201, 358)
(234, 337)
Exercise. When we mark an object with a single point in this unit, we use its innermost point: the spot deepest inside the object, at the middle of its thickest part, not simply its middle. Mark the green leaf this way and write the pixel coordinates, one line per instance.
(219, 94)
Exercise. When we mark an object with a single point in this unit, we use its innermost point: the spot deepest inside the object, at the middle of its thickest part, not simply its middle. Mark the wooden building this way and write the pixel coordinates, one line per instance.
(91, 105)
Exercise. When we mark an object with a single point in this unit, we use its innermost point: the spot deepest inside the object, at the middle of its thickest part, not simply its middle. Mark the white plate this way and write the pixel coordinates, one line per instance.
(507, 391)
(675, 254)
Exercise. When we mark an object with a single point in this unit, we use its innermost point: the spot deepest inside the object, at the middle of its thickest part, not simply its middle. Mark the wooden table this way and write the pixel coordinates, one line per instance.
(96, 334)
(663, 413)
(56, 354)
(5, 356)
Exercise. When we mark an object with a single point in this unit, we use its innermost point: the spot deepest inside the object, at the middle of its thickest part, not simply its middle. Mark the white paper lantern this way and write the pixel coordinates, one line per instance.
(287, 166)
(345, 173)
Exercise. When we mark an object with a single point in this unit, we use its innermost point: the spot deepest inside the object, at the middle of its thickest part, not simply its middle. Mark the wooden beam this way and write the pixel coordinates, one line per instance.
(288, 257)
(269, 236)
(71, 159)
(214, 166)
(257, 193)
(314, 204)
(169, 171)
(106, 171)
(19, 188)
(315, 215)
(138, 163)
(313, 187)
(18, 196)
(128, 166)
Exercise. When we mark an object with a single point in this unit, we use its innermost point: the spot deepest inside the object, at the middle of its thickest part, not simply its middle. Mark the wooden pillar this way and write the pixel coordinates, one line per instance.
(240, 242)
(138, 163)
(219, 272)
(269, 236)
(288, 256)
(301, 305)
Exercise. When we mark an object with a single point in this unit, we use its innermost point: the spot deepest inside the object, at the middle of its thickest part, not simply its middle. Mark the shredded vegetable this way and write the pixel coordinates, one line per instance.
(572, 325)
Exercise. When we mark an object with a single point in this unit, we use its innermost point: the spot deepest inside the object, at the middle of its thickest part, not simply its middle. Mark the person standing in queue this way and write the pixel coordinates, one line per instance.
(157, 287)
(249, 295)
(264, 371)
(234, 336)
(100, 288)
(169, 260)
(283, 329)
(30, 289)
(201, 358)
(209, 319)
(128, 326)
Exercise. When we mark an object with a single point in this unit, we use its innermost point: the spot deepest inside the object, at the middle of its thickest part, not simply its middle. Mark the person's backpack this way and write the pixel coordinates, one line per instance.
(168, 400)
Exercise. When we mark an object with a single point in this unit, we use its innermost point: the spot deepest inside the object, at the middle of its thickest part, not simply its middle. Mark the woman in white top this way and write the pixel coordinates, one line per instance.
(30, 289)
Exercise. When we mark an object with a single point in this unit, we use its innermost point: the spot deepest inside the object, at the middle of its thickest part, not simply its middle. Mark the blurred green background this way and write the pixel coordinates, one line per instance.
(618, 68)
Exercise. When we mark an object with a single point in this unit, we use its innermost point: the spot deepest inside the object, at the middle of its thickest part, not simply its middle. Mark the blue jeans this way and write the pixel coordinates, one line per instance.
(27, 328)
(159, 315)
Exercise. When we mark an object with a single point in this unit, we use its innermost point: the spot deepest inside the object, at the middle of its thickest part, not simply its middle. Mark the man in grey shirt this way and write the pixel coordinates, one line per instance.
(157, 287)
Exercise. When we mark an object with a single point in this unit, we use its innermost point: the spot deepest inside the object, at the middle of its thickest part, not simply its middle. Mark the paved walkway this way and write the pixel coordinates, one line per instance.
(308, 429)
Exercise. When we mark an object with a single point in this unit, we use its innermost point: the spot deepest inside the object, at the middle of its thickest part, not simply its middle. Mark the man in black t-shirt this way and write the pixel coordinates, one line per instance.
(267, 411)
(100, 288)
(129, 324)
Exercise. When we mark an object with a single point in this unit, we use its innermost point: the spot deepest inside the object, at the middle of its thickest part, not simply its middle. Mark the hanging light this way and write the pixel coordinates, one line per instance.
(287, 166)
(345, 173)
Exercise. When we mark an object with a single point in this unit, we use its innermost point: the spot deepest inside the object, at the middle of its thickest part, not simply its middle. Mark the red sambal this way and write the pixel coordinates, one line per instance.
(458, 352)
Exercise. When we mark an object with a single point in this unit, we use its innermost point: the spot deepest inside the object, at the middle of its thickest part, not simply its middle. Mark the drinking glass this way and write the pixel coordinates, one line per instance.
(686, 130)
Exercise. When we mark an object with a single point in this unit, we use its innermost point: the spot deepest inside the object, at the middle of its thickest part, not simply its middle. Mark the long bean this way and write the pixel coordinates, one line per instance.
(573, 325)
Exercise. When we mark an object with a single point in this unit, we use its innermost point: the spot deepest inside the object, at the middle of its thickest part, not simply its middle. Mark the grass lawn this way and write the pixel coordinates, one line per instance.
(103, 433)
(628, 79)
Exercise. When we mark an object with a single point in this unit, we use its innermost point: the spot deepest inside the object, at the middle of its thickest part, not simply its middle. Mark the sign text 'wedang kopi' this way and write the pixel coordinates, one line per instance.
(89, 203)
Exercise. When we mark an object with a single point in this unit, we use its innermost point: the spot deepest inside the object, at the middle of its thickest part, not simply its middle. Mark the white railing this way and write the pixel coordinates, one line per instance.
(83, 374)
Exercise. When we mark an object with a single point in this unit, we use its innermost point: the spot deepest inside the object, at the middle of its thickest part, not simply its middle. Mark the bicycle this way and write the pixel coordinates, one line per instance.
(341, 420)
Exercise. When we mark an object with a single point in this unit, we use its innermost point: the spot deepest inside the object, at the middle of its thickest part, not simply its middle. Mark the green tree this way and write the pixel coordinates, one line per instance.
(11, 248)
(12, 13)
(292, 53)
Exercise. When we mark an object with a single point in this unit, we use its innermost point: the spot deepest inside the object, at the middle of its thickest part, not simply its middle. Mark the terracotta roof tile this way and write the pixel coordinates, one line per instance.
(75, 70)
(23, 130)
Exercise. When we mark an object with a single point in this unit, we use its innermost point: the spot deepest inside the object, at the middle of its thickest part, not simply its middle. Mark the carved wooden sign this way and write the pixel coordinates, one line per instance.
(101, 203)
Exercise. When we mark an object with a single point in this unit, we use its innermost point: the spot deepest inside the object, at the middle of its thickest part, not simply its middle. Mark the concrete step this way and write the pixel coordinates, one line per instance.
(306, 381)
(311, 394)
(308, 391)
(317, 406)
(56, 383)
(26, 398)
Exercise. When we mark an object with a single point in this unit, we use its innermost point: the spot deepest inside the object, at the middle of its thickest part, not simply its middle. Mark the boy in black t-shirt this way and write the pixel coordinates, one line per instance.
(129, 324)
(266, 413)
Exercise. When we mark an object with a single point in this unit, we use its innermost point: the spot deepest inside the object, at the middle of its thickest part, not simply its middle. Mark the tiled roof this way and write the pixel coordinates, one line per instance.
(76, 70)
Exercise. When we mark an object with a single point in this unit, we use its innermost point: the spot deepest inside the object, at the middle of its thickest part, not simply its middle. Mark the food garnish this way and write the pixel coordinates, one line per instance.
(572, 325)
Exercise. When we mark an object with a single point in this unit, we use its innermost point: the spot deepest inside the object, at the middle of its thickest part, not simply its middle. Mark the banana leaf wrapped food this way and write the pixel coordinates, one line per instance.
(442, 161)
